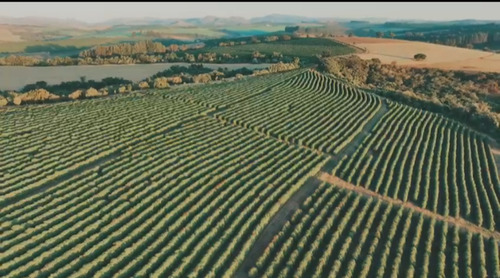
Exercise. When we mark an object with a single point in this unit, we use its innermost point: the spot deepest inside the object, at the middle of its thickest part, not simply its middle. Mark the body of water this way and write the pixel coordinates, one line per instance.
(16, 77)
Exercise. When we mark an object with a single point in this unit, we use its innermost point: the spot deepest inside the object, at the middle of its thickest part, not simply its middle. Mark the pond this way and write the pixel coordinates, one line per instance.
(16, 77)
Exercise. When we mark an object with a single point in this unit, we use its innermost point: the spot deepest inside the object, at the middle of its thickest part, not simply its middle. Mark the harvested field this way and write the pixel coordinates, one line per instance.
(7, 36)
(438, 56)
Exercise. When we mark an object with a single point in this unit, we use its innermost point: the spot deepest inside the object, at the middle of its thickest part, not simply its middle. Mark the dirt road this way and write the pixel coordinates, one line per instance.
(358, 139)
(275, 225)
(459, 222)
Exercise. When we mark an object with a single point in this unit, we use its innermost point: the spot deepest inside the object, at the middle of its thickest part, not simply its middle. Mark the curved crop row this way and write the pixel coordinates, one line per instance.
(423, 158)
(310, 109)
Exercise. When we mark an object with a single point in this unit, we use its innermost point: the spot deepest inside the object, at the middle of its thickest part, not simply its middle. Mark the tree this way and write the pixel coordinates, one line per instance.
(291, 29)
(286, 37)
(350, 34)
(174, 47)
(420, 57)
(41, 84)
(380, 34)
(83, 79)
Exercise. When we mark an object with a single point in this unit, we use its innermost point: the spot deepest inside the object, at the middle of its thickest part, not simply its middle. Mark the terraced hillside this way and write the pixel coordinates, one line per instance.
(416, 156)
(337, 233)
(196, 181)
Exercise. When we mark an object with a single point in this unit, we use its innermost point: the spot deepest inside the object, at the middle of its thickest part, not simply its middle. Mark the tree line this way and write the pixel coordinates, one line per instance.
(145, 52)
(171, 57)
(131, 49)
(476, 36)
(41, 92)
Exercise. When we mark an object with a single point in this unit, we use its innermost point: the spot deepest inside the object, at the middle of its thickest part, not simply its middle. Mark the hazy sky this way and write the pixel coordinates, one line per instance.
(96, 12)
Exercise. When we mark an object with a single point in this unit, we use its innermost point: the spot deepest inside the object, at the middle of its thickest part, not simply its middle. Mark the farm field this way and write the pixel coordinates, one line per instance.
(439, 165)
(20, 46)
(284, 175)
(337, 233)
(7, 36)
(16, 38)
(304, 48)
(438, 56)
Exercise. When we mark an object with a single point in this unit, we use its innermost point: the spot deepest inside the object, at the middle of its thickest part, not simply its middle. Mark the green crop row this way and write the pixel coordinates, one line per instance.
(340, 234)
(435, 163)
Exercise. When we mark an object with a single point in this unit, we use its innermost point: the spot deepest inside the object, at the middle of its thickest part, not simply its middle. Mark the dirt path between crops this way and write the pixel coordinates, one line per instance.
(367, 128)
(459, 222)
(496, 155)
(358, 139)
(275, 225)
(495, 150)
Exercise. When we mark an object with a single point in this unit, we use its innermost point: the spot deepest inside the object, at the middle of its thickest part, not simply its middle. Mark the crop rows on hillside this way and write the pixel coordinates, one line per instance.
(438, 164)
(181, 183)
(39, 145)
(309, 109)
(337, 233)
(220, 95)
(189, 201)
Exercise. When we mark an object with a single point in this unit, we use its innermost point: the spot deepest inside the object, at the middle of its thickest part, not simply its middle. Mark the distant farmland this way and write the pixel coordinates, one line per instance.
(284, 175)
(438, 56)
(304, 48)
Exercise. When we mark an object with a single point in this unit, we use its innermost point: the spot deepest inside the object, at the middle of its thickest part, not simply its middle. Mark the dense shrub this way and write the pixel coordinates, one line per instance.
(65, 88)
(3, 101)
(420, 57)
(193, 69)
(202, 78)
(33, 96)
(160, 83)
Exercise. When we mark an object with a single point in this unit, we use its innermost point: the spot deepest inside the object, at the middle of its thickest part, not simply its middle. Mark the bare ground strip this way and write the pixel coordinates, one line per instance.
(279, 219)
(459, 222)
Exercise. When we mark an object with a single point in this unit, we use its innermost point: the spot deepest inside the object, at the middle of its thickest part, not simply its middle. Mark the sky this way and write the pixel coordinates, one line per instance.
(94, 12)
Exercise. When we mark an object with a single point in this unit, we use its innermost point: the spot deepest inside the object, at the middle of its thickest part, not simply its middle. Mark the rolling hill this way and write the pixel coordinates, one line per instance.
(290, 174)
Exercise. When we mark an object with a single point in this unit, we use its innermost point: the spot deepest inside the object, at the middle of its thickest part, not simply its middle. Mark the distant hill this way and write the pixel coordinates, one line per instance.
(43, 21)
(196, 21)
(284, 19)
(221, 21)
(141, 21)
